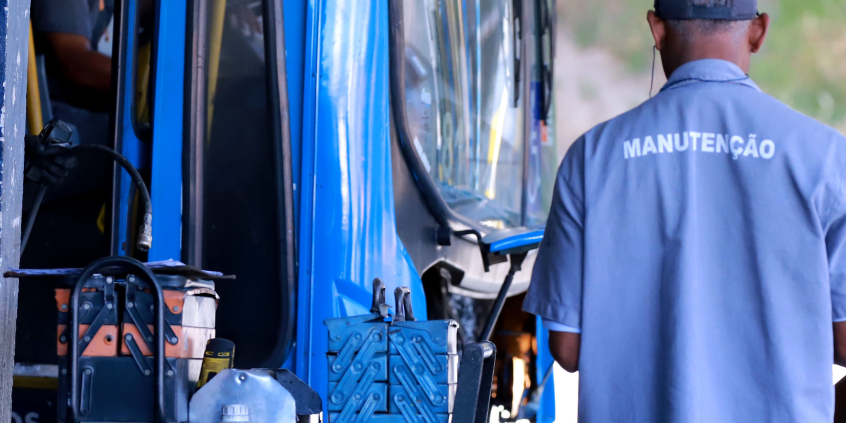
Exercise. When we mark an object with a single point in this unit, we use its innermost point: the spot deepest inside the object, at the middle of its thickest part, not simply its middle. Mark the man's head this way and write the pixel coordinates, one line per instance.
(688, 30)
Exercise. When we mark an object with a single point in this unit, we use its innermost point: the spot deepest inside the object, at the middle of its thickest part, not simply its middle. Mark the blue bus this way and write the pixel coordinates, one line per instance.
(308, 147)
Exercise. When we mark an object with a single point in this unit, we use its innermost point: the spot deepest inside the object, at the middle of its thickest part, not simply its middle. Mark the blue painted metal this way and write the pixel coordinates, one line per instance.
(296, 22)
(423, 360)
(130, 146)
(546, 411)
(166, 160)
(347, 223)
(166, 183)
(305, 289)
(517, 241)
(423, 365)
(295, 15)
(354, 345)
(443, 369)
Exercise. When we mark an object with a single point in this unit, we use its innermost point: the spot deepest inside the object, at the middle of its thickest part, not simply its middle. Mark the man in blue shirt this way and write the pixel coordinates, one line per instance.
(693, 264)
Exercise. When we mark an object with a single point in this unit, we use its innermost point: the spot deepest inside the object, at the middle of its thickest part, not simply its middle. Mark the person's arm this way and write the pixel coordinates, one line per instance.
(835, 242)
(555, 292)
(840, 343)
(564, 343)
(80, 64)
(564, 347)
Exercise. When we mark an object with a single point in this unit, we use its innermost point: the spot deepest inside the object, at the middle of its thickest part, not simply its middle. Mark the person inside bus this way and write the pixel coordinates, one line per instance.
(73, 38)
(71, 35)
(68, 34)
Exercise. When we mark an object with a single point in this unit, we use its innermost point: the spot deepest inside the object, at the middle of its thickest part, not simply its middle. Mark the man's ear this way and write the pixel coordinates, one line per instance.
(659, 28)
(758, 32)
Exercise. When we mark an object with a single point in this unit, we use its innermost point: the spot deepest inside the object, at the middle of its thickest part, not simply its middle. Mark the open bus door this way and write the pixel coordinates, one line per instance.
(215, 153)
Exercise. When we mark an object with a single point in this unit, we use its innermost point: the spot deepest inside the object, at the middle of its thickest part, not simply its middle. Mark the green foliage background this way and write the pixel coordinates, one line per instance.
(803, 62)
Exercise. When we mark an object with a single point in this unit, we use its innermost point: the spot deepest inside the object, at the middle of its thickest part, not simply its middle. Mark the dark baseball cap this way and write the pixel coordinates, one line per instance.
(725, 10)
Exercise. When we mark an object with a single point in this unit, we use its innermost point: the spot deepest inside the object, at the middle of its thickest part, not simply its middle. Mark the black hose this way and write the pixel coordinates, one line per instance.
(30, 220)
(123, 162)
(145, 237)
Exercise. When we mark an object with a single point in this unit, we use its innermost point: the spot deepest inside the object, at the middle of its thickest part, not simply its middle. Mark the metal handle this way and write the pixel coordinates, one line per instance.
(402, 296)
(475, 378)
(378, 295)
(144, 273)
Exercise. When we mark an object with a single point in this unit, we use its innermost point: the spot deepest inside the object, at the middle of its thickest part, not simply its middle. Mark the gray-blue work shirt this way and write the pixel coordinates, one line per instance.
(77, 17)
(697, 242)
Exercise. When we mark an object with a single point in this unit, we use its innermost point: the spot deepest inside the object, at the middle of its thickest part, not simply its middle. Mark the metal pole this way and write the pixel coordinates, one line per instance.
(527, 54)
(516, 262)
(14, 34)
(497, 307)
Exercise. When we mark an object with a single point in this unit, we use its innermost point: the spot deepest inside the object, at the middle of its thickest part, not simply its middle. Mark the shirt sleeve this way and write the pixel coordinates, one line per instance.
(835, 241)
(555, 292)
(65, 16)
(558, 327)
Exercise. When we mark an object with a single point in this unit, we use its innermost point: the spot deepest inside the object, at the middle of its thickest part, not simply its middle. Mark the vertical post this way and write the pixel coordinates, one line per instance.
(166, 182)
(527, 56)
(14, 42)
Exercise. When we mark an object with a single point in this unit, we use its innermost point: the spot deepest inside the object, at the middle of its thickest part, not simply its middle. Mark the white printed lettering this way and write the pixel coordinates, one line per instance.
(665, 144)
(631, 148)
(694, 137)
(708, 142)
(680, 146)
(649, 146)
(767, 149)
(722, 143)
(751, 147)
(738, 150)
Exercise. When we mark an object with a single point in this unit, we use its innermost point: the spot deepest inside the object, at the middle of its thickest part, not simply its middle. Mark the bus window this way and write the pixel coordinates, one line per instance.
(463, 113)
(239, 218)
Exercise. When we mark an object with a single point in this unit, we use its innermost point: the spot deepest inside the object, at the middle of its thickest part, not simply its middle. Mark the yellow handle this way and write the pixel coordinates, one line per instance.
(35, 120)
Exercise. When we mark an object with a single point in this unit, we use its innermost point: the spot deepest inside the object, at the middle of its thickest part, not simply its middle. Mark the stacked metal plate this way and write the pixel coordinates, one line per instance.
(391, 369)
(358, 377)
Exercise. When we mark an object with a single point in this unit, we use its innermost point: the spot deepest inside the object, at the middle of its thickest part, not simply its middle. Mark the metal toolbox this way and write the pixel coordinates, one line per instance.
(387, 368)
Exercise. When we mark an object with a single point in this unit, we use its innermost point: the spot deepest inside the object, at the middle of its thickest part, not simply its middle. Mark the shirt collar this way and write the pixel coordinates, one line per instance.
(708, 70)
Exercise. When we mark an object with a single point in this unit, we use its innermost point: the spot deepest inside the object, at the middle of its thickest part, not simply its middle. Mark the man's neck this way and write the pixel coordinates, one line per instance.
(712, 48)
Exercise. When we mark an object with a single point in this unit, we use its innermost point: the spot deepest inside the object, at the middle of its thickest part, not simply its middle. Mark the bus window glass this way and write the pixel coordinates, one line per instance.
(240, 225)
(463, 116)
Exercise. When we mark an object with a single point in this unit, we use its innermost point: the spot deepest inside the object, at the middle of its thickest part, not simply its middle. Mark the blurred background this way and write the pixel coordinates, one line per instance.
(603, 67)
(603, 60)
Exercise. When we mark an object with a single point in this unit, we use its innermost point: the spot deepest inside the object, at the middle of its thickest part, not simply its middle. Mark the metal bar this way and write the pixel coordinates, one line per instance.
(195, 135)
(35, 120)
(497, 307)
(13, 78)
(119, 45)
(218, 15)
(126, 264)
(135, 351)
(125, 138)
(46, 104)
(475, 380)
(526, 63)
(516, 262)
(166, 181)
(274, 45)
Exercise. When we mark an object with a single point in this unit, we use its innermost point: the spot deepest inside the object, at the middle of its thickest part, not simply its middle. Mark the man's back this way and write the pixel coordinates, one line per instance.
(701, 233)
